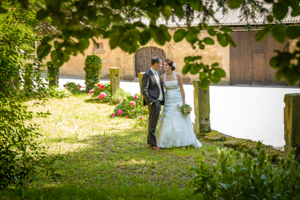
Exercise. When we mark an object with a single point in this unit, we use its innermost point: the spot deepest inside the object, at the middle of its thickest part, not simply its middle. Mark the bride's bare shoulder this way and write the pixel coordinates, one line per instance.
(177, 74)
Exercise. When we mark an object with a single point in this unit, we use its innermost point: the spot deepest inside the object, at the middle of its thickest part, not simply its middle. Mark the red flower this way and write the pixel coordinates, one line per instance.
(120, 112)
(136, 96)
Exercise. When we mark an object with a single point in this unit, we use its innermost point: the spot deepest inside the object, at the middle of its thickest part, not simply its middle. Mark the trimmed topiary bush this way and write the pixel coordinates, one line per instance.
(53, 74)
(92, 68)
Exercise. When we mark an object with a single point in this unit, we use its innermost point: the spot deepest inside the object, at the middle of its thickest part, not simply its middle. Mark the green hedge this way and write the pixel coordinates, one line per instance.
(242, 176)
(92, 68)
(53, 74)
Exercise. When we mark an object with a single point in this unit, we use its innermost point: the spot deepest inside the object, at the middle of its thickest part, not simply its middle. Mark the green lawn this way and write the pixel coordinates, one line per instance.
(99, 157)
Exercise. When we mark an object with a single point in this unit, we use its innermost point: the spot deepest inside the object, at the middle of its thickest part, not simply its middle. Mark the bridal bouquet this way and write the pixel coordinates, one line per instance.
(186, 109)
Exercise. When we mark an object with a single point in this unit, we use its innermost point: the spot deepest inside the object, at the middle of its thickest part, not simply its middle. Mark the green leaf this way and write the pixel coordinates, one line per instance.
(280, 10)
(197, 58)
(274, 62)
(106, 11)
(202, 75)
(46, 40)
(145, 37)
(229, 39)
(161, 37)
(219, 72)
(195, 5)
(226, 29)
(43, 50)
(221, 40)
(201, 46)
(191, 37)
(167, 11)
(293, 32)
(295, 12)
(186, 68)
(42, 14)
(188, 59)
(204, 84)
(278, 33)
(234, 3)
(215, 65)
(208, 41)
(179, 35)
(215, 79)
(278, 75)
(270, 18)
(262, 34)
(195, 68)
(211, 31)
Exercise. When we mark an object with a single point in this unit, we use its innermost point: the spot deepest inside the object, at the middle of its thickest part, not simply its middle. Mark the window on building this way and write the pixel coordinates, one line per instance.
(98, 46)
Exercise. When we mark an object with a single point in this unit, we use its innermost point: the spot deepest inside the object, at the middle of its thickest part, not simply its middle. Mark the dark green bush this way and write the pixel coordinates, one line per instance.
(92, 68)
(252, 178)
(73, 87)
(53, 74)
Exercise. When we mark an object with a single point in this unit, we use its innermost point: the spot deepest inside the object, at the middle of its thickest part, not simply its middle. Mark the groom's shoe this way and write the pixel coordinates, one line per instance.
(156, 148)
(149, 145)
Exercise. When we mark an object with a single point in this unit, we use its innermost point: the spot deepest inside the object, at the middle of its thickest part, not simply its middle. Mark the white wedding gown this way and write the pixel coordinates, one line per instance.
(175, 129)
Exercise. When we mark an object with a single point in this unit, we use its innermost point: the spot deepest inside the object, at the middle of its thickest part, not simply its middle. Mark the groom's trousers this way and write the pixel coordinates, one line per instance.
(154, 111)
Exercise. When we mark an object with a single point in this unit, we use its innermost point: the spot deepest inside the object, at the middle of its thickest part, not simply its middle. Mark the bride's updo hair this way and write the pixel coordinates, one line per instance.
(170, 63)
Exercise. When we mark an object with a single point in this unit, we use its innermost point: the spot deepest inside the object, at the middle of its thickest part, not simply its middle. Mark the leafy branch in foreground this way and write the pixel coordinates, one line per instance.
(76, 22)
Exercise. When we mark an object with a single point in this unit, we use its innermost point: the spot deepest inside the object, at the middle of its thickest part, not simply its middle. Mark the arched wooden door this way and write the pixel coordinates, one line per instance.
(143, 59)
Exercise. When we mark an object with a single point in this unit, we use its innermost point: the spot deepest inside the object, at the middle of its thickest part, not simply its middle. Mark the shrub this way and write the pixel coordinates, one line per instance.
(73, 87)
(92, 68)
(120, 93)
(102, 92)
(55, 92)
(253, 178)
(22, 157)
(130, 107)
(53, 74)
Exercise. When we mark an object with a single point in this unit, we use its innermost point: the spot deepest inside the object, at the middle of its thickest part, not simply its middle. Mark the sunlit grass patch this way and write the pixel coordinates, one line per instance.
(93, 150)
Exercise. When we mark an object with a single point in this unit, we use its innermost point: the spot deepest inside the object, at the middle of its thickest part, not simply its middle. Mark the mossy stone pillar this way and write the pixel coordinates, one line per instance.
(141, 74)
(292, 124)
(114, 79)
(201, 109)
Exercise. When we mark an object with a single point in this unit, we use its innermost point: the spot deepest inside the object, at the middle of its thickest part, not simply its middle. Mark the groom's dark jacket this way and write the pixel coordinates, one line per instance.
(150, 89)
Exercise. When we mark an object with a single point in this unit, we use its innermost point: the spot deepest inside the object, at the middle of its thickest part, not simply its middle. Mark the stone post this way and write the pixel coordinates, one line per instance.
(292, 124)
(114, 79)
(201, 109)
(140, 80)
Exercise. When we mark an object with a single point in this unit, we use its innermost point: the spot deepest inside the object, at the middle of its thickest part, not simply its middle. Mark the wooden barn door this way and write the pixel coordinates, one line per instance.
(249, 61)
(143, 59)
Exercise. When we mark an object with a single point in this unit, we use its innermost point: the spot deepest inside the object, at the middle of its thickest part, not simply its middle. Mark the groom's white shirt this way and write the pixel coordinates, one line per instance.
(158, 82)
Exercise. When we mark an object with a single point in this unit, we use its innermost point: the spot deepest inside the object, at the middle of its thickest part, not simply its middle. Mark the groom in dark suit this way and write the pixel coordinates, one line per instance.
(154, 97)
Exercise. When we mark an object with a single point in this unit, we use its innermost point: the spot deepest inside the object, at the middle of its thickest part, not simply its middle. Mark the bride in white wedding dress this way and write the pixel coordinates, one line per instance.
(175, 129)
